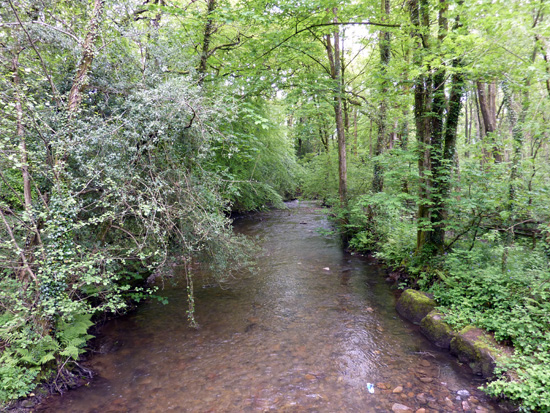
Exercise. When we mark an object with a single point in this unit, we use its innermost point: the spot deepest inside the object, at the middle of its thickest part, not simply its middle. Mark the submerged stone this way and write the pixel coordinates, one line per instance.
(397, 407)
(434, 327)
(414, 305)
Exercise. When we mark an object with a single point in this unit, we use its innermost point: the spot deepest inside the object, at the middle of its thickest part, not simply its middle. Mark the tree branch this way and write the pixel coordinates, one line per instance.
(311, 57)
(297, 32)
(44, 67)
(19, 249)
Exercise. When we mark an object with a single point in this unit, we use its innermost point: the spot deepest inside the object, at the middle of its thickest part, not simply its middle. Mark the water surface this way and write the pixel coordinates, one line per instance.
(307, 332)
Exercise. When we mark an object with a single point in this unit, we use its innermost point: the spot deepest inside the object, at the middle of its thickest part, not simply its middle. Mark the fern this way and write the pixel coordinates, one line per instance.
(73, 335)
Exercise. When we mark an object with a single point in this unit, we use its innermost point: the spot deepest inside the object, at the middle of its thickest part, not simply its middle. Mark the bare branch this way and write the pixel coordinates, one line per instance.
(44, 67)
(19, 249)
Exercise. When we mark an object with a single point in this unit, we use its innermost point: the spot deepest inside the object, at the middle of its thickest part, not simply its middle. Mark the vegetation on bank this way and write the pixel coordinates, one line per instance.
(117, 164)
(129, 131)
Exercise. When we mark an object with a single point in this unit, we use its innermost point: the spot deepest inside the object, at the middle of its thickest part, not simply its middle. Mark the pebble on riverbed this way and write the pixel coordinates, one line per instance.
(397, 407)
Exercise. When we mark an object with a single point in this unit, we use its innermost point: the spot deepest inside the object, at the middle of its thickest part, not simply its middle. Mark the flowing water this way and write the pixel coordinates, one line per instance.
(309, 331)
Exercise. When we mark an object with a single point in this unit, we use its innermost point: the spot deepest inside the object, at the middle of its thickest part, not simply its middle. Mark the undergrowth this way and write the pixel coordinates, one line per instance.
(471, 287)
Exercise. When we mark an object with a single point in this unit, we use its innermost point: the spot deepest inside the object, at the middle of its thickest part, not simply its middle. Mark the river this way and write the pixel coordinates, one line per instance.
(309, 331)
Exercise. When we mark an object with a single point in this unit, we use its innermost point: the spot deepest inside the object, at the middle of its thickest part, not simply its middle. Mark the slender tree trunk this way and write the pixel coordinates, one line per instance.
(436, 124)
(436, 236)
(21, 135)
(517, 140)
(422, 107)
(207, 36)
(26, 274)
(340, 131)
(81, 79)
(544, 51)
(467, 127)
(451, 127)
(355, 129)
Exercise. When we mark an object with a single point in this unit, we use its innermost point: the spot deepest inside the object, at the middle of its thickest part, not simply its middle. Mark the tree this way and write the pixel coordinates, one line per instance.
(436, 126)
(381, 141)
(334, 57)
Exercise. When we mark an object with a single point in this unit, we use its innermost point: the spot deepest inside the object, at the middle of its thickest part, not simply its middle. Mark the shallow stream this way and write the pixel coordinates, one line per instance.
(309, 331)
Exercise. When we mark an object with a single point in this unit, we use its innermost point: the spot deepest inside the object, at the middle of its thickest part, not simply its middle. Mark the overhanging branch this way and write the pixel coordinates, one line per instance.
(297, 32)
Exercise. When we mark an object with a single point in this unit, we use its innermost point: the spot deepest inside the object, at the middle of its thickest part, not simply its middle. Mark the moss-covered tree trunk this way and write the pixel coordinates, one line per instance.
(381, 141)
(436, 120)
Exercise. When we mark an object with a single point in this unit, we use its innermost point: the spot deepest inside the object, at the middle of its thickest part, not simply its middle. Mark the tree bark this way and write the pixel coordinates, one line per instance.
(336, 74)
(207, 36)
(81, 79)
(27, 196)
(436, 127)
(381, 141)
(435, 237)
(487, 104)
(422, 107)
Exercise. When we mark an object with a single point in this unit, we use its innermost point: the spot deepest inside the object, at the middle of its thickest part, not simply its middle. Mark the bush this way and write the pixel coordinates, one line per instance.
(514, 305)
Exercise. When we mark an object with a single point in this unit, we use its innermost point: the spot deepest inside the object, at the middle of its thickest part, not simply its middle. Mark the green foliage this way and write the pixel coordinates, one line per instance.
(143, 174)
(320, 177)
(73, 335)
(26, 353)
(389, 222)
(526, 379)
(514, 305)
(11, 187)
(256, 158)
(147, 170)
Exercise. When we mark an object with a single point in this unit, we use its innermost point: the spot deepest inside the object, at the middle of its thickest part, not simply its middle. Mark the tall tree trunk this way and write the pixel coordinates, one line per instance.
(467, 126)
(422, 107)
(333, 53)
(436, 131)
(355, 131)
(381, 141)
(436, 235)
(544, 51)
(26, 274)
(517, 141)
(451, 129)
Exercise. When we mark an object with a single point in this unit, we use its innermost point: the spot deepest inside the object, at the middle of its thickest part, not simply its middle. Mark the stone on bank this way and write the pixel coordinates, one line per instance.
(414, 305)
(471, 345)
(434, 327)
(479, 349)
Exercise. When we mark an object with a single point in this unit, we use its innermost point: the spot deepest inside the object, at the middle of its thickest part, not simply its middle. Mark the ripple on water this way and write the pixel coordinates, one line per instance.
(294, 337)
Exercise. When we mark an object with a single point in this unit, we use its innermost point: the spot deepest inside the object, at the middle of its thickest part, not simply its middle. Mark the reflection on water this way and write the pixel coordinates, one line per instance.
(307, 332)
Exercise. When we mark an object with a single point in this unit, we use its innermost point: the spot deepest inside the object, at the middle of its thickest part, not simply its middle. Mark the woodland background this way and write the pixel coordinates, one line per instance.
(131, 130)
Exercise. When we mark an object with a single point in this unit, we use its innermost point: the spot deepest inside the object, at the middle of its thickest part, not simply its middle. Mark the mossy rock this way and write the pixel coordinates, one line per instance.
(479, 349)
(434, 327)
(414, 305)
